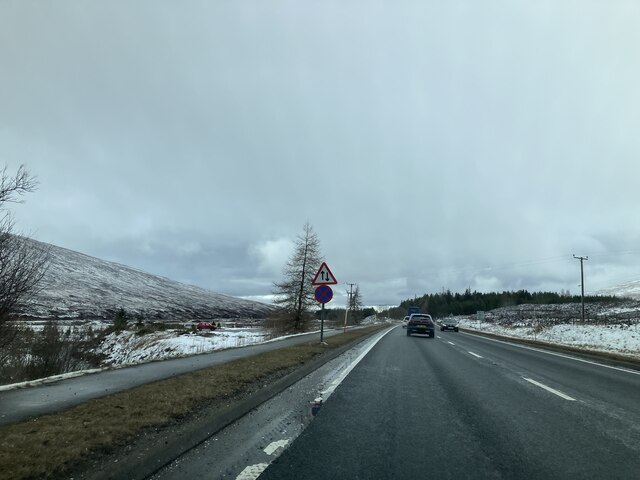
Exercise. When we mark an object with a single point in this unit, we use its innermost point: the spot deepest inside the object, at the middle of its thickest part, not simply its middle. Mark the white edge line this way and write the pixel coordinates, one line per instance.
(252, 472)
(274, 446)
(513, 344)
(333, 385)
(551, 390)
(476, 355)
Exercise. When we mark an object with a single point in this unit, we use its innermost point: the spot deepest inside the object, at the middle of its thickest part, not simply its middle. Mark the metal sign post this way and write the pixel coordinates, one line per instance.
(323, 294)
(322, 324)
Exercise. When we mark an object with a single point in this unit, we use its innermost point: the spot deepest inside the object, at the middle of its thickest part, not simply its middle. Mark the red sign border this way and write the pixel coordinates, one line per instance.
(316, 294)
(315, 279)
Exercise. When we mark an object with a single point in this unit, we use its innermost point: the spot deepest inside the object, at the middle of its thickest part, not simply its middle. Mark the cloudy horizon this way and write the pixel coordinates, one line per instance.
(431, 145)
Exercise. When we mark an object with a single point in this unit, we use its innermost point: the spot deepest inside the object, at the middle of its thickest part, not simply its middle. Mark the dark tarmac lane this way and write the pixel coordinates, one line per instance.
(24, 403)
(463, 406)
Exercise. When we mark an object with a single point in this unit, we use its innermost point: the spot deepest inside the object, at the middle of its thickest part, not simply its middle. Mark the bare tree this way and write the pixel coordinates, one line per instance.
(23, 262)
(295, 294)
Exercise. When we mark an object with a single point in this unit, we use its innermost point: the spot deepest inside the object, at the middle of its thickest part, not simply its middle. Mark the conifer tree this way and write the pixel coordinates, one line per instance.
(295, 294)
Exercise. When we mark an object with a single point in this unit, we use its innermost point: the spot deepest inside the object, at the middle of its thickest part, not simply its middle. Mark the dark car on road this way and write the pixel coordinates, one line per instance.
(449, 324)
(421, 323)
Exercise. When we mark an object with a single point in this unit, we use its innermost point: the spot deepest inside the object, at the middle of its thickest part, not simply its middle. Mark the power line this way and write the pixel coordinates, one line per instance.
(487, 269)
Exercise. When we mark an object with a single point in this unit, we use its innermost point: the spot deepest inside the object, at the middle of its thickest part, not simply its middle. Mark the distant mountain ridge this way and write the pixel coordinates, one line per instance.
(78, 286)
(629, 290)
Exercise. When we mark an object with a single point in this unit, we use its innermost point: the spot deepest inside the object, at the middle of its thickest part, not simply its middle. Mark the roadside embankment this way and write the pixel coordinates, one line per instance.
(620, 343)
(51, 446)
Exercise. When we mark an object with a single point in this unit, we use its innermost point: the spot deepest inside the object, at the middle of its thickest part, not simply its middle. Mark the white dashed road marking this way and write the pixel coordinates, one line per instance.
(549, 389)
(273, 446)
(451, 343)
(475, 355)
(252, 471)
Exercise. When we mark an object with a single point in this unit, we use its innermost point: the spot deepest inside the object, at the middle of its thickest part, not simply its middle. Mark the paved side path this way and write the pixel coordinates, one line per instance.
(21, 404)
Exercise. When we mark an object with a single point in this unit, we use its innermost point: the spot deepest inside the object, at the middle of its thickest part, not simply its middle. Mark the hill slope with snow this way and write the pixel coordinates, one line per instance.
(77, 286)
(629, 290)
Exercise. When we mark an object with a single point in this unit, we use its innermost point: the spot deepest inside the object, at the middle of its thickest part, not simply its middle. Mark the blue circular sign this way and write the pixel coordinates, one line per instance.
(324, 294)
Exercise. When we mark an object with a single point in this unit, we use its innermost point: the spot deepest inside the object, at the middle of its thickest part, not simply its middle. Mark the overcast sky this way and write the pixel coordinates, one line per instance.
(431, 144)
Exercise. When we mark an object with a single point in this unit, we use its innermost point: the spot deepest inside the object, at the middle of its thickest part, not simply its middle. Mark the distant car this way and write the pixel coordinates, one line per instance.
(405, 320)
(206, 326)
(449, 324)
(421, 323)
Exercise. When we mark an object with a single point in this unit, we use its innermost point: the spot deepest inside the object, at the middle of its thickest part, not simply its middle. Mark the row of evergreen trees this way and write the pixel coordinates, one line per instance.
(467, 303)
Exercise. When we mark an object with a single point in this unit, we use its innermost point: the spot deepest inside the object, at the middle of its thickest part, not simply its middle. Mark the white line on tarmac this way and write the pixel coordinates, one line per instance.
(475, 355)
(333, 385)
(620, 369)
(252, 471)
(451, 343)
(273, 446)
(549, 389)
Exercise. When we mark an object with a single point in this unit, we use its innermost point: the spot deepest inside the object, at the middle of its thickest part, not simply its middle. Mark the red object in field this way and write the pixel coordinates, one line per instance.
(205, 326)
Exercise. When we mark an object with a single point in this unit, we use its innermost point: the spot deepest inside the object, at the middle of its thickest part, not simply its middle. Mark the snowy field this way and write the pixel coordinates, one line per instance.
(126, 348)
(621, 339)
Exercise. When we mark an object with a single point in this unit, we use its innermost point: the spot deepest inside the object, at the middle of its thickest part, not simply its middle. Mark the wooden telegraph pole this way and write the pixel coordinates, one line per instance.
(582, 259)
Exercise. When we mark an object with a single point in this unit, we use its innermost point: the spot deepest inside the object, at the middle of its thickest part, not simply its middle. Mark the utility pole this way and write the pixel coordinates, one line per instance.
(582, 259)
(346, 310)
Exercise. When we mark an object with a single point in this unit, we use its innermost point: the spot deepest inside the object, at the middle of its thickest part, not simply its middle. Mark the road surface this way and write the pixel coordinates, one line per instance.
(244, 449)
(463, 406)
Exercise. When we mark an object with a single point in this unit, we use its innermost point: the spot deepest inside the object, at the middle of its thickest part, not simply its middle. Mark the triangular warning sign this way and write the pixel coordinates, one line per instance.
(324, 276)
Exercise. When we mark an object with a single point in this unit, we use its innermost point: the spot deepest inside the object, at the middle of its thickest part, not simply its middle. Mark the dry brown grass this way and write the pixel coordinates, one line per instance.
(47, 445)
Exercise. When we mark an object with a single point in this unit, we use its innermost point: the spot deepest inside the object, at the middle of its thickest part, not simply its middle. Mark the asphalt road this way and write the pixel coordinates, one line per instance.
(244, 449)
(21, 404)
(462, 406)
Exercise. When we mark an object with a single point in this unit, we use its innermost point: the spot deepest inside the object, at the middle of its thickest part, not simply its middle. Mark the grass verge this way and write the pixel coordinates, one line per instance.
(47, 446)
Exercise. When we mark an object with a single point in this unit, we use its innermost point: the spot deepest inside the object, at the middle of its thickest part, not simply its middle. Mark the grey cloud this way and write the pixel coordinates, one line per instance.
(425, 143)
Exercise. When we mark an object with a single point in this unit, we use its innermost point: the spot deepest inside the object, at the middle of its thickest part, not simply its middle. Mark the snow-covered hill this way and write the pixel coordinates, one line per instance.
(78, 286)
(629, 289)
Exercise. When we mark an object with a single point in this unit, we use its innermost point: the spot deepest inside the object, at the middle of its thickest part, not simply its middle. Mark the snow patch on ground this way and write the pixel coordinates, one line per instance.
(629, 289)
(54, 378)
(620, 339)
(127, 348)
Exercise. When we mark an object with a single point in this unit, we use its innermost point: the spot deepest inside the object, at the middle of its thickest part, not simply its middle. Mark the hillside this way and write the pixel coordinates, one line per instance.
(629, 290)
(78, 286)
